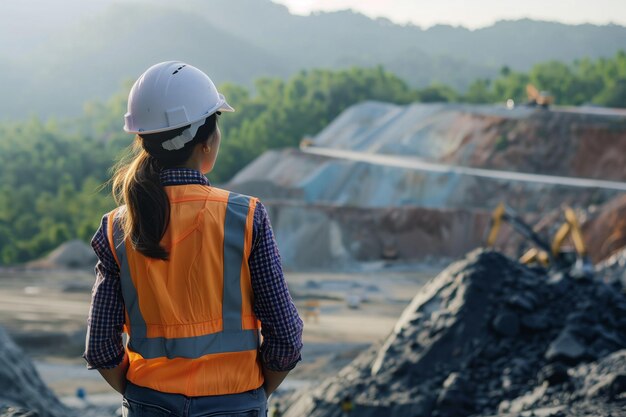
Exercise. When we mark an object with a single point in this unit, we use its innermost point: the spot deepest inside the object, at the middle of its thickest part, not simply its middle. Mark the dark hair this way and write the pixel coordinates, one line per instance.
(137, 184)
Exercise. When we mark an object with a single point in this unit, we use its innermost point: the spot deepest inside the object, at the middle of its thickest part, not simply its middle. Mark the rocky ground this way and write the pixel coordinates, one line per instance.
(44, 311)
(489, 337)
(22, 389)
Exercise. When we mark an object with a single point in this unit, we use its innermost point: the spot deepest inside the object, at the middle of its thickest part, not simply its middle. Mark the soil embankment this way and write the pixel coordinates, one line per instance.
(312, 194)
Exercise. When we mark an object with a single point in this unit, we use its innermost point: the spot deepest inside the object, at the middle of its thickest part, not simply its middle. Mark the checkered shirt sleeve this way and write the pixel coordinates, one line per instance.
(103, 345)
(281, 325)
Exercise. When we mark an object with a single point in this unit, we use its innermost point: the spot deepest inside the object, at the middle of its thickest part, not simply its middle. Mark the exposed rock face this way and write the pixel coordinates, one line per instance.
(524, 140)
(317, 195)
(22, 393)
(486, 136)
(489, 337)
(355, 211)
(315, 179)
(312, 236)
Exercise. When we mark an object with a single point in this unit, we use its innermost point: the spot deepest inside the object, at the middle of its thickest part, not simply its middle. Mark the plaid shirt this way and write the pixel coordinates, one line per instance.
(281, 325)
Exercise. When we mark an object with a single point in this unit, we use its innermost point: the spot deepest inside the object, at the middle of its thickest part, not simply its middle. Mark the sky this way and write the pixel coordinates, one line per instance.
(472, 13)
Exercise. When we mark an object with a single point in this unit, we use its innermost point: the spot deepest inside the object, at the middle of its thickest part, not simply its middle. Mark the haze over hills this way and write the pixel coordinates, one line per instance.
(76, 51)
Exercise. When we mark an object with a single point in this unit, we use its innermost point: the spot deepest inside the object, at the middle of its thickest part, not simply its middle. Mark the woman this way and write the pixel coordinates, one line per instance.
(190, 272)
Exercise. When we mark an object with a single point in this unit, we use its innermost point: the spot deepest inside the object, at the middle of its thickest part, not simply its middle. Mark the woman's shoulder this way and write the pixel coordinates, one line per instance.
(235, 197)
(115, 214)
(109, 219)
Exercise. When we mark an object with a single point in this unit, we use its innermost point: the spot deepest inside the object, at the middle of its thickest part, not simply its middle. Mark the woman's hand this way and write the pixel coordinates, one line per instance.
(116, 377)
(272, 380)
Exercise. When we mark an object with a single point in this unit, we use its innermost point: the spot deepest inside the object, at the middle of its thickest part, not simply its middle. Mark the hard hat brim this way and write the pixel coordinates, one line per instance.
(221, 105)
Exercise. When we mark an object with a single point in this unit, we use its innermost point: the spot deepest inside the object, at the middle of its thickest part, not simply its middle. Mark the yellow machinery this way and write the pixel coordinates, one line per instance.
(504, 213)
(578, 260)
(306, 142)
(575, 262)
(538, 98)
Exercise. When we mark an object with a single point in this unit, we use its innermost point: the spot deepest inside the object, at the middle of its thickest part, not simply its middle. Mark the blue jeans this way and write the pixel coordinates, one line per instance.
(145, 402)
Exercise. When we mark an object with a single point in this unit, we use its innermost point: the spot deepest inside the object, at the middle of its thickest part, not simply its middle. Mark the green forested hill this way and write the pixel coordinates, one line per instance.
(49, 188)
(52, 174)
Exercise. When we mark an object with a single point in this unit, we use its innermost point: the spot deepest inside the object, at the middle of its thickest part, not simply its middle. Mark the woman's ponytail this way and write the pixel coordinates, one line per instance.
(137, 184)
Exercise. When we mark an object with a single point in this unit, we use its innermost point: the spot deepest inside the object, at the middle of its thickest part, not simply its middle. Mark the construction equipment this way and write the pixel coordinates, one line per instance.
(578, 260)
(538, 98)
(306, 142)
(504, 213)
(554, 256)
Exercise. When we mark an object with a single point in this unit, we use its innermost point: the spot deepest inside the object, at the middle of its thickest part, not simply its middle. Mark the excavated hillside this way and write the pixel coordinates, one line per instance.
(434, 159)
(569, 144)
(322, 236)
(525, 139)
(490, 337)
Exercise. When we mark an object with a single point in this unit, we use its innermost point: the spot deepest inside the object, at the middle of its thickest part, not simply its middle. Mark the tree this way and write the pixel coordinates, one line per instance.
(437, 93)
(479, 92)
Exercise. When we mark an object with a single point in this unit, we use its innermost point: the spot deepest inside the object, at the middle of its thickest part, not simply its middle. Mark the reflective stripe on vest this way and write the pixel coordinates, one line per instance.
(232, 338)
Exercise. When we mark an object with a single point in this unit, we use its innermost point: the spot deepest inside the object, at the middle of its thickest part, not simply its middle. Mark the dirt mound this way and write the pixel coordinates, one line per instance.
(74, 254)
(22, 393)
(490, 337)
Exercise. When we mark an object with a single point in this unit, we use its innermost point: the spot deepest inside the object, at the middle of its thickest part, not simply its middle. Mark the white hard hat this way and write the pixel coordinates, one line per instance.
(170, 95)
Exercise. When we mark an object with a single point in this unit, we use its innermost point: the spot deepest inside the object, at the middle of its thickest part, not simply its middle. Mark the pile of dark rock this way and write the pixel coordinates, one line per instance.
(22, 392)
(490, 337)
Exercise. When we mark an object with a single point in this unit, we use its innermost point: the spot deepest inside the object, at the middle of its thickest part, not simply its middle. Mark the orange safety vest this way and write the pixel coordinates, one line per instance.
(190, 321)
